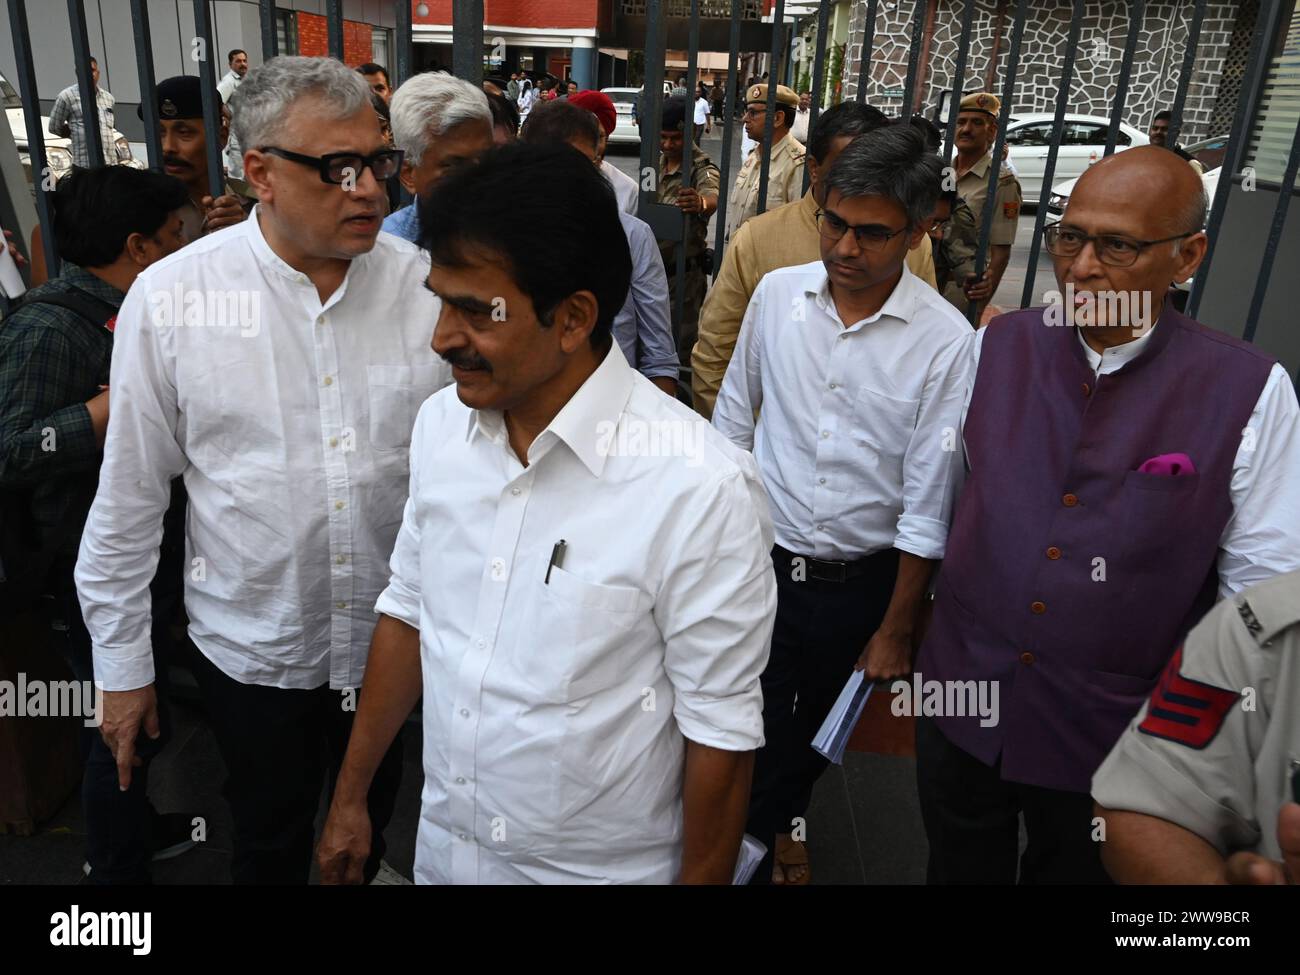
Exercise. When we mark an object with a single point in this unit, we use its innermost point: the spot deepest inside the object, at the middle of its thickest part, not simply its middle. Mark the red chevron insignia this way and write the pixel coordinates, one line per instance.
(1186, 711)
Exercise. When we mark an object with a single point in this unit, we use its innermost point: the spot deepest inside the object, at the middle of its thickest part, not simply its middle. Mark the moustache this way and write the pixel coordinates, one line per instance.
(176, 161)
(467, 360)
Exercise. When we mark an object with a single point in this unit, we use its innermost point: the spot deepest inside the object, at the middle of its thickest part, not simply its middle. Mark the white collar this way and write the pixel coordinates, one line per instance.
(900, 304)
(1116, 357)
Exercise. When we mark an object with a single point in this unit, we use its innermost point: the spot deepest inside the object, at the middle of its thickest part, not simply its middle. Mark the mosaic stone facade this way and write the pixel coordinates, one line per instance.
(1152, 84)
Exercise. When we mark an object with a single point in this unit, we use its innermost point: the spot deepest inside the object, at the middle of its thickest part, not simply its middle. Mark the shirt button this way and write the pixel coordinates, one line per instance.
(460, 780)
(515, 491)
(1070, 500)
(1038, 607)
(481, 644)
(338, 505)
(334, 441)
(463, 836)
(464, 712)
(329, 380)
(825, 434)
(320, 319)
(341, 559)
(1086, 389)
(341, 605)
(832, 386)
(821, 480)
(1053, 553)
(1026, 658)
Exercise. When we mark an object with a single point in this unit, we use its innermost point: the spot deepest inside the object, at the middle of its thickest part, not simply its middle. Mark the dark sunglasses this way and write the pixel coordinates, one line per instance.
(336, 167)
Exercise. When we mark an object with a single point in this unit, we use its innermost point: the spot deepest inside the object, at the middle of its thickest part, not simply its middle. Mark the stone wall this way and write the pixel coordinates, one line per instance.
(1152, 83)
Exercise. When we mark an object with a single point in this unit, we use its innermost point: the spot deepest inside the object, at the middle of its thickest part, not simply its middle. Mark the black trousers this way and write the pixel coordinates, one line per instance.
(972, 820)
(821, 630)
(278, 745)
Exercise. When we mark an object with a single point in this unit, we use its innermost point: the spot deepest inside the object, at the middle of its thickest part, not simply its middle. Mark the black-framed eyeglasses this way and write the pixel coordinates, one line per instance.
(870, 238)
(1116, 250)
(751, 112)
(337, 167)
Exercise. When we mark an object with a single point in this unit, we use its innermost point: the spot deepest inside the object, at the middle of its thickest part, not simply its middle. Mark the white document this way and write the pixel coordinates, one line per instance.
(11, 282)
(751, 855)
(834, 733)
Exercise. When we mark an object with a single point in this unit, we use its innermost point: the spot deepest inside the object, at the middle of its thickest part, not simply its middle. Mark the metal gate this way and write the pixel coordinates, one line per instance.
(664, 16)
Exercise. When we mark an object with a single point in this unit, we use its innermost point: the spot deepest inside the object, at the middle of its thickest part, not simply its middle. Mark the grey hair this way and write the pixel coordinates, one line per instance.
(430, 104)
(1191, 217)
(891, 162)
(262, 100)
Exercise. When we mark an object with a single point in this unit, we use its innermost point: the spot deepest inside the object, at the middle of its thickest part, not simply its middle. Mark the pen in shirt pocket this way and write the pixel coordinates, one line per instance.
(557, 560)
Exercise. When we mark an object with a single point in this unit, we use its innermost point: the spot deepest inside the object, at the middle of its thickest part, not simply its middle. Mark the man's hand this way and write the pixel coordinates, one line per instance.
(888, 654)
(13, 249)
(344, 844)
(1250, 868)
(690, 201)
(124, 714)
(224, 211)
(978, 292)
(97, 407)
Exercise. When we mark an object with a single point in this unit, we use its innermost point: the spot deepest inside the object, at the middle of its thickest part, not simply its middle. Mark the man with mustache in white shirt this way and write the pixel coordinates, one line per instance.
(277, 365)
(581, 586)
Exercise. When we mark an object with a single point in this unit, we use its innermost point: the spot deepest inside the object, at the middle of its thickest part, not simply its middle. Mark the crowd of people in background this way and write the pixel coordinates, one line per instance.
(621, 526)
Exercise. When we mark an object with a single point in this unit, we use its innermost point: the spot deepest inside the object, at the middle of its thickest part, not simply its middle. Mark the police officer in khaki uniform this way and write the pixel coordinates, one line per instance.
(183, 140)
(697, 203)
(977, 127)
(1202, 788)
(785, 173)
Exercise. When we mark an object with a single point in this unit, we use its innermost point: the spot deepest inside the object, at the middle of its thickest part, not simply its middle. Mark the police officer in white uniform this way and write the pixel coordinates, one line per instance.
(1202, 788)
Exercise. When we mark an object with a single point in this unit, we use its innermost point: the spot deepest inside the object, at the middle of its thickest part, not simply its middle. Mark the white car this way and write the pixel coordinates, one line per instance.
(1083, 142)
(1209, 153)
(58, 150)
(625, 128)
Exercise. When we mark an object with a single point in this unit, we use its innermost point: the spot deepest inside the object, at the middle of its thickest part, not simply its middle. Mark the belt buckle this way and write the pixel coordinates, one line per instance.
(824, 571)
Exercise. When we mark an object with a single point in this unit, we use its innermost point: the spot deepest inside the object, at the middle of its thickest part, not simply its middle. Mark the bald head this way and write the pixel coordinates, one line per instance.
(1154, 184)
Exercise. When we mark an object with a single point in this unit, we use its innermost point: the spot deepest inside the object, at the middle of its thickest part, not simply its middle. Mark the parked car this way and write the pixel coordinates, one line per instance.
(1083, 142)
(58, 149)
(625, 131)
(1208, 152)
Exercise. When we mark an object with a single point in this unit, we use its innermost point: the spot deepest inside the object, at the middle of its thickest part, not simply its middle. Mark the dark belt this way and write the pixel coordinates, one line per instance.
(825, 571)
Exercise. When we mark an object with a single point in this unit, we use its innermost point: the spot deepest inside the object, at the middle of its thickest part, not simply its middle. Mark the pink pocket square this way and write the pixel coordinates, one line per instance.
(1168, 465)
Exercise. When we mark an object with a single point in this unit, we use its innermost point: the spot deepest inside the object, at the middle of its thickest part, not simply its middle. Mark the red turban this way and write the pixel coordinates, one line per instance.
(599, 105)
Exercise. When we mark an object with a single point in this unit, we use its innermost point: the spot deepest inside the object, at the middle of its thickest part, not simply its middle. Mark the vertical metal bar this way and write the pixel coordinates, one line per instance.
(1058, 126)
(35, 137)
(765, 147)
(1136, 15)
(819, 76)
(144, 64)
(728, 122)
(211, 100)
(1274, 237)
(334, 25)
(1000, 140)
(404, 36)
(688, 147)
(652, 101)
(868, 44)
(467, 40)
(1185, 75)
(1236, 152)
(913, 59)
(270, 41)
(959, 77)
(89, 101)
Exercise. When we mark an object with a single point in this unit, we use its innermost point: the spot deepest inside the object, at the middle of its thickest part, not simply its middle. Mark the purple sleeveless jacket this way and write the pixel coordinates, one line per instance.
(1070, 576)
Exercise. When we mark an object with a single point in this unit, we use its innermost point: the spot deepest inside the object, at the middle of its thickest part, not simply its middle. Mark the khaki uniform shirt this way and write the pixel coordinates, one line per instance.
(192, 218)
(962, 239)
(784, 182)
(784, 237)
(705, 178)
(1215, 747)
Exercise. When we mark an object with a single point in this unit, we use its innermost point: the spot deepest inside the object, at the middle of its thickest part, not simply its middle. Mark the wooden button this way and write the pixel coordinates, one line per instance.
(1038, 607)
(1069, 500)
(1086, 389)
(1026, 658)
(1053, 553)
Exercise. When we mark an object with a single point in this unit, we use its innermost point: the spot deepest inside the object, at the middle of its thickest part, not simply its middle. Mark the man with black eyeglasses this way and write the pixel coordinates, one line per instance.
(856, 371)
(277, 366)
(1126, 467)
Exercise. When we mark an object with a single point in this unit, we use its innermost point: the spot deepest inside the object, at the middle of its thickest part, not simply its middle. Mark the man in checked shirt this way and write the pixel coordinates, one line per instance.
(287, 407)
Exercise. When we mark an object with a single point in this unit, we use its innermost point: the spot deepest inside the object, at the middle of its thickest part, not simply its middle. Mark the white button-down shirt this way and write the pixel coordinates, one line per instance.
(626, 190)
(290, 420)
(858, 439)
(556, 713)
(1262, 538)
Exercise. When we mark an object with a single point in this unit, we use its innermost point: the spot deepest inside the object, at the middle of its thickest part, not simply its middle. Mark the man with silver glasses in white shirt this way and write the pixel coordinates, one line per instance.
(858, 369)
(286, 404)
(581, 585)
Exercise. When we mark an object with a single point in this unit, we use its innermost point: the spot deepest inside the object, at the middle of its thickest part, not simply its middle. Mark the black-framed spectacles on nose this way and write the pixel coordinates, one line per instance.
(1113, 249)
(869, 238)
(337, 167)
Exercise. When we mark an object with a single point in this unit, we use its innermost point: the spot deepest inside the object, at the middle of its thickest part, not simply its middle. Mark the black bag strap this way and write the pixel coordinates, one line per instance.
(94, 310)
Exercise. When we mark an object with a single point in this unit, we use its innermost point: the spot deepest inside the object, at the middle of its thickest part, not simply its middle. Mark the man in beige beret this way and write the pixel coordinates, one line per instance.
(785, 174)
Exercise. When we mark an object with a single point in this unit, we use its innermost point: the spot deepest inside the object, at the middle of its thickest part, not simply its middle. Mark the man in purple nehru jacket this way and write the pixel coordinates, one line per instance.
(1126, 465)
